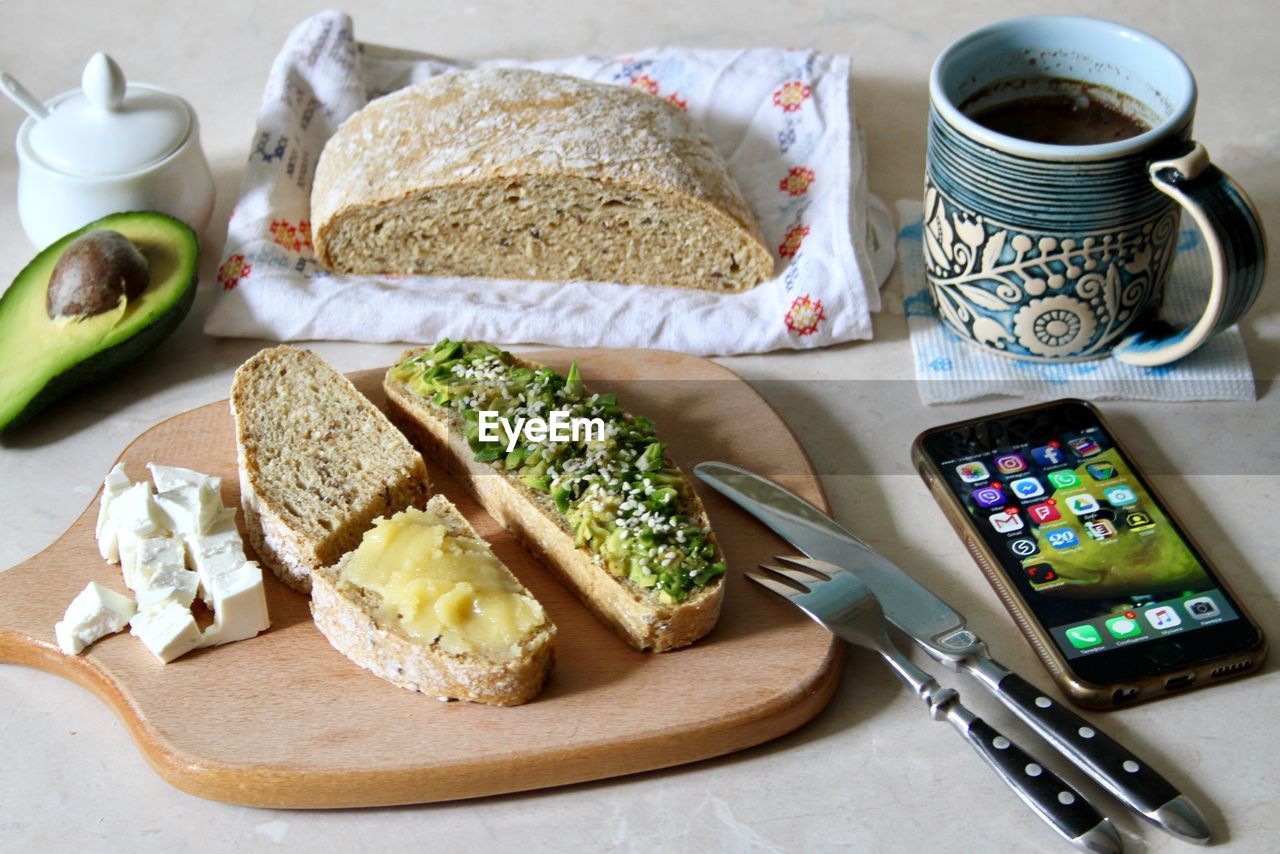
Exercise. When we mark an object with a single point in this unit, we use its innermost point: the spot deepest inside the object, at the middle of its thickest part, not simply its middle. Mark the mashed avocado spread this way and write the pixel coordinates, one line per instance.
(622, 496)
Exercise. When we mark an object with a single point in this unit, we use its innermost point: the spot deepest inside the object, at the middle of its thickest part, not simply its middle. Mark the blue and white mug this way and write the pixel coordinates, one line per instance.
(1061, 252)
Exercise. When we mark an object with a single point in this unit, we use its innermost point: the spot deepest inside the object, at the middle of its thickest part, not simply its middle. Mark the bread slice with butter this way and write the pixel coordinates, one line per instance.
(623, 529)
(425, 604)
(509, 173)
(317, 460)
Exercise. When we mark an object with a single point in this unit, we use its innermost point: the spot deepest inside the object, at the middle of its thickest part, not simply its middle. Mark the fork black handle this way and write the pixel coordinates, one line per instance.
(1060, 805)
(1110, 763)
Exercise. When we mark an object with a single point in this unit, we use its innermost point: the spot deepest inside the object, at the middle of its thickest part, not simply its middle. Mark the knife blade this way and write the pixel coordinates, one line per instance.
(942, 632)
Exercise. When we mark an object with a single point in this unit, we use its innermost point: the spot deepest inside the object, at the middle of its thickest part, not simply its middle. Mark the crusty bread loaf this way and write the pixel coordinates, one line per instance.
(635, 613)
(514, 174)
(318, 462)
(346, 614)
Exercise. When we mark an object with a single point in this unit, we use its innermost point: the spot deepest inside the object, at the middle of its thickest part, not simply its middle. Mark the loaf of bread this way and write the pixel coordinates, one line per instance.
(512, 174)
(355, 622)
(318, 462)
(644, 616)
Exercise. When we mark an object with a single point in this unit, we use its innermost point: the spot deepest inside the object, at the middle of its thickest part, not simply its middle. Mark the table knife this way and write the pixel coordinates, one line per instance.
(941, 631)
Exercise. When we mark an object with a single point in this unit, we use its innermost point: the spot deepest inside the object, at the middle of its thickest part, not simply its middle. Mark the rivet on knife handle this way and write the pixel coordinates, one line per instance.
(1113, 766)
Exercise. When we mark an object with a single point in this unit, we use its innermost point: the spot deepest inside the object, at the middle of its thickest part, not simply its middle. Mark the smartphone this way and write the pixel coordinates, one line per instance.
(1109, 589)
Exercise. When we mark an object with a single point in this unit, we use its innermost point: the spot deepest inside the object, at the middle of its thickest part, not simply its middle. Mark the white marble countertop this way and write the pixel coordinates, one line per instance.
(871, 772)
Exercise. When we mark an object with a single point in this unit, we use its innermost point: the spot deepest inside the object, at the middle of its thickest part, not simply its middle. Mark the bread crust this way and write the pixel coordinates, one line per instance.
(632, 612)
(346, 616)
(278, 536)
(587, 151)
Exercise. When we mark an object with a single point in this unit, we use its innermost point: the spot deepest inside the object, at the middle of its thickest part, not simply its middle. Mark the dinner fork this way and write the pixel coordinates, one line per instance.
(847, 608)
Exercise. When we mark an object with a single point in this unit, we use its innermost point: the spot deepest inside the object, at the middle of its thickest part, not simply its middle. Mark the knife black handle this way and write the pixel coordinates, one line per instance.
(1112, 765)
(1044, 791)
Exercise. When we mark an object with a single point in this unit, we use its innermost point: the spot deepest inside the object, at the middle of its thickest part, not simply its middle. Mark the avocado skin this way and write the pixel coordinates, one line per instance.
(102, 363)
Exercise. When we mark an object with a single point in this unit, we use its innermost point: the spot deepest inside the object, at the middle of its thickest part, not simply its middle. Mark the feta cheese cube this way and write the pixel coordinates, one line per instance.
(239, 605)
(171, 477)
(96, 611)
(218, 550)
(135, 511)
(168, 583)
(113, 484)
(168, 631)
(190, 509)
(152, 554)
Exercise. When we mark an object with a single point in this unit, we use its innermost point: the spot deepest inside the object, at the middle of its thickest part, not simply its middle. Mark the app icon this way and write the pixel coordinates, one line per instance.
(1082, 637)
(1010, 464)
(1006, 521)
(1163, 617)
(1101, 529)
(1084, 446)
(1083, 505)
(1049, 455)
(972, 472)
(1046, 511)
(1040, 573)
(1024, 547)
(989, 496)
(1064, 479)
(1136, 520)
(1202, 608)
(1027, 487)
(1101, 471)
(1062, 538)
(1120, 496)
(1124, 626)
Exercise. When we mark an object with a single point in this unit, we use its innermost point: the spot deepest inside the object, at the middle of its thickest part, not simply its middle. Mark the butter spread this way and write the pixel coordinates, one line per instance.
(438, 587)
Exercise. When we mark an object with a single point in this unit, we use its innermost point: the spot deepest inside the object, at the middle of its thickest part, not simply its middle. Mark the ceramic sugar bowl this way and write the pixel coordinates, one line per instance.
(110, 146)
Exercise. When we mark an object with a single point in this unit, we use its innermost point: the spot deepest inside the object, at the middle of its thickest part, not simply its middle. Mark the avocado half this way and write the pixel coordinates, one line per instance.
(43, 359)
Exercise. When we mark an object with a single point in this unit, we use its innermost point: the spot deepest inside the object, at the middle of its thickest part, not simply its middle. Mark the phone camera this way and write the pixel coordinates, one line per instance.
(1201, 607)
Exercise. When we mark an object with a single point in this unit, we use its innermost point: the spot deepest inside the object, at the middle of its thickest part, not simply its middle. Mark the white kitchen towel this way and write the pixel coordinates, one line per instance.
(782, 118)
(949, 370)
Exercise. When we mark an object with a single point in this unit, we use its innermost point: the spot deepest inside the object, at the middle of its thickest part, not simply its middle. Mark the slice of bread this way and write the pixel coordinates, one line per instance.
(635, 613)
(509, 173)
(318, 462)
(348, 615)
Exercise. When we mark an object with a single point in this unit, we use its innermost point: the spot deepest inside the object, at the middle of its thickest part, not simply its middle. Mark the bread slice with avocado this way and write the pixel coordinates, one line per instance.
(612, 515)
(423, 603)
(318, 462)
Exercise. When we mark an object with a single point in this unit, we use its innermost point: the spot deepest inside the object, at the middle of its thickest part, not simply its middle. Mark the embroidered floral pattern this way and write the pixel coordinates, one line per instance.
(791, 243)
(676, 101)
(232, 271)
(295, 238)
(805, 315)
(645, 83)
(790, 96)
(797, 182)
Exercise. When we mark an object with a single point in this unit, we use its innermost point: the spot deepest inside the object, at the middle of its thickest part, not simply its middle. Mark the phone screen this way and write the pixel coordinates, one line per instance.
(1097, 559)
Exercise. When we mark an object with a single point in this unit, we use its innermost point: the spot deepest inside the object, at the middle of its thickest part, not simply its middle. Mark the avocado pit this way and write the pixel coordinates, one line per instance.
(94, 272)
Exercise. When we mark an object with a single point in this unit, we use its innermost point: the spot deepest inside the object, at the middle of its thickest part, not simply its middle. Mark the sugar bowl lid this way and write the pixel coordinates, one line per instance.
(109, 126)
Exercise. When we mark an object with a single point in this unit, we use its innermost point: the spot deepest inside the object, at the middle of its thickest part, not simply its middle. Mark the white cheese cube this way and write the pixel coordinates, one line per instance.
(135, 511)
(218, 550)
(96, 612)
(151, 555)
(168, 631)
(169, 583)
(190, 509)
(113, 484)
(239, 605)
(128, 554)
(171, 477)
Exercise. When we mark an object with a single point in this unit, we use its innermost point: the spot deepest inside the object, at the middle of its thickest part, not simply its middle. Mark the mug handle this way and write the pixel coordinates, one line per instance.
(1233, 234)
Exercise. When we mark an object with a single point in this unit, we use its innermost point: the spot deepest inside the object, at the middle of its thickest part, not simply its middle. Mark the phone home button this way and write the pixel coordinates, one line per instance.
(1165, 654)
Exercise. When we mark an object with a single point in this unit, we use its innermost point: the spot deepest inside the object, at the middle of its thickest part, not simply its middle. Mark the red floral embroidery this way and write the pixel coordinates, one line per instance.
(232, 271)
(805, 315)
(645, 83)
(797, 181)
(791, 243)
(295, 238)
(676, 101)
(790, 96)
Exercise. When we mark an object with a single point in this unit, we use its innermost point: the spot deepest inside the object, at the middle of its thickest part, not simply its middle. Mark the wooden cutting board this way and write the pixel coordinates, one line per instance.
(283, 720)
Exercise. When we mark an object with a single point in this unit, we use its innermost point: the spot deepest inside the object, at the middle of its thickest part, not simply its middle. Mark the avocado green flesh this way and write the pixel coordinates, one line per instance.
(42, 359)
(620, 494)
